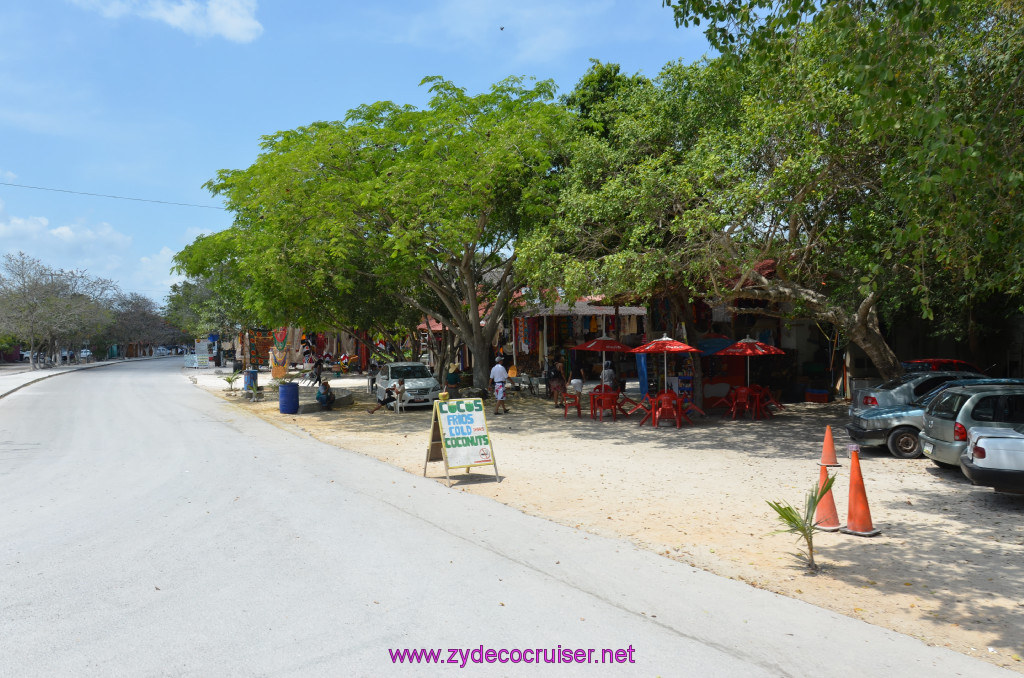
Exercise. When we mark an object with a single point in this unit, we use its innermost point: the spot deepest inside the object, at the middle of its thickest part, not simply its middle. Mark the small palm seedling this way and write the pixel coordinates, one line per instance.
(231, 379)
(803, 525)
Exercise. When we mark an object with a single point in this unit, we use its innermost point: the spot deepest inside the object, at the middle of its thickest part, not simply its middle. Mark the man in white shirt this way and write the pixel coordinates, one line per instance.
(498, 378)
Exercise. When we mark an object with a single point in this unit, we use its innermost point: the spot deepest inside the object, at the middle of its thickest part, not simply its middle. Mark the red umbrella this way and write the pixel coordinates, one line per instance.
(748, 347)
(666, 346)
(603, 344)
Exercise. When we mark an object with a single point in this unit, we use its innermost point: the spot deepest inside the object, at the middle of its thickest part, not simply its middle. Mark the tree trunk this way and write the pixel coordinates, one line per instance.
(690, 323)
(861, 326)
(481, 350)
(870, 340)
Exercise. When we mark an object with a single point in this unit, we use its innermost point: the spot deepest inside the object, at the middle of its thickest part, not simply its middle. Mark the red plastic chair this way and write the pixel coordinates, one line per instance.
(667, 404)
(740, 401)
(767, 399)
(606, 400)
(572, 398)
(711, 402)
(627, 405)
(594, 395)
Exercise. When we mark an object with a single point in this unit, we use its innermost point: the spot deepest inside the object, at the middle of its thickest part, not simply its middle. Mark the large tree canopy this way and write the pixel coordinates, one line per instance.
(767, 175)
(392, 209)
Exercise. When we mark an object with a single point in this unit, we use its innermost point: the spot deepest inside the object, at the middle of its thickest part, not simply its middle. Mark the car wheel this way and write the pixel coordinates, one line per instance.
(903, 443)
(942, 464)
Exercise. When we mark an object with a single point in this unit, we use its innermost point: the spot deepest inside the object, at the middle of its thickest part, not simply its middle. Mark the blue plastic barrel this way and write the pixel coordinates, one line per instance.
(288, 398)
(251, 379)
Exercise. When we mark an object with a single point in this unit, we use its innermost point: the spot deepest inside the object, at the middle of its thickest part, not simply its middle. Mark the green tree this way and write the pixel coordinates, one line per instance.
(936, 85)
(393, 209)
(700, 188)
(777, 173)
(197, 310)
(51, 308)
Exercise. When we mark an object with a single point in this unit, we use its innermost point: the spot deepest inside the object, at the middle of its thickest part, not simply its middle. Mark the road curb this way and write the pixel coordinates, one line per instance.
(69, 371)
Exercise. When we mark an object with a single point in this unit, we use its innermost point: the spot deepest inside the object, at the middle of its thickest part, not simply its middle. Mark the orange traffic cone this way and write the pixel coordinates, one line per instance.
(828, 449)
(826, 517)
(858, 516)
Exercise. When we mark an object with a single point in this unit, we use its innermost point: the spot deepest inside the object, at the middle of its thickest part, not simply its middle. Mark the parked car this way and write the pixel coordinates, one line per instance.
(161, 351)
(995, 458)
(939, 365)
(948, 418)
(898, 427)
(85, 353)
(902, 390)
(420, 385)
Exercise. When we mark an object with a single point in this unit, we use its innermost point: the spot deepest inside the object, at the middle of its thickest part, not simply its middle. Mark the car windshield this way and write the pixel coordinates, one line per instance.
(898, 381)
(410, 372)
(931, 395)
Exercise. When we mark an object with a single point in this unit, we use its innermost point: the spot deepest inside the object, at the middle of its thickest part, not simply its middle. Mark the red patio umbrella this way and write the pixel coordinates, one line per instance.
(748, 347)
(603, 344)
(666, 346)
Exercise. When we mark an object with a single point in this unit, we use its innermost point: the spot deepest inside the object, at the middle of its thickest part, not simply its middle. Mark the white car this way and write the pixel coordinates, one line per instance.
(994, 457)
(420, 385)
(162, 350)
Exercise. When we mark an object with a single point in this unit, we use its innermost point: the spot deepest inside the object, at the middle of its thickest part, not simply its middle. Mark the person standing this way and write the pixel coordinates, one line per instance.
(314, 374)
(498, 378)
(451, 380)
(578, 378)
(556, 383)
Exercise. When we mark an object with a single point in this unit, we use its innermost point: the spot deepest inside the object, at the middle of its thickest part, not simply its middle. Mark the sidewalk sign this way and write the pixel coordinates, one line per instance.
(459, 438)
(204, 354)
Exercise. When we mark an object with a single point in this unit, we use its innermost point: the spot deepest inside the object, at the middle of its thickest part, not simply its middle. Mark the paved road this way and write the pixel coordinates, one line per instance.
(149, 529)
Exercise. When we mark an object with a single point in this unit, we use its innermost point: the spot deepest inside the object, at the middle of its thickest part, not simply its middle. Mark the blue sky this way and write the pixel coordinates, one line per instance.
(149, 98)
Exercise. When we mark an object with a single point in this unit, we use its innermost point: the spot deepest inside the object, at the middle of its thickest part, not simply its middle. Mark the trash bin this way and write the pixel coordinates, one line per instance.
(288, 398)
(251, 379)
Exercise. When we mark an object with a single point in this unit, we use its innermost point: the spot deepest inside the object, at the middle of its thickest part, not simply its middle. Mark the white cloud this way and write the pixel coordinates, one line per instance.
(153, 274)
(534, 30)
(99, 249)
(7, 176)
(233, 20)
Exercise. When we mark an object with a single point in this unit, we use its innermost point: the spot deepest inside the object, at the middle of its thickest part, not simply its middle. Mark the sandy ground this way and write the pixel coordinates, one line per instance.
(947, 567)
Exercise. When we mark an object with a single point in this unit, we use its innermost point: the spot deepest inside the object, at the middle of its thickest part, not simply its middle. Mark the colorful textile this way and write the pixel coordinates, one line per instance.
(281, 338)
(260, 343)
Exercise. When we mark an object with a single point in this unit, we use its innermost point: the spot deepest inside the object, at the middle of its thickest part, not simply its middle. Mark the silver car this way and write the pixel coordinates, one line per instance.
(902, 390)
(898, 427)
(420, 385)
(949, 417)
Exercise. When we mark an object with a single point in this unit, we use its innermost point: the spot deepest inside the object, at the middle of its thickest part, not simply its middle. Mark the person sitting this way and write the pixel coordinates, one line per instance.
(391, 394)
(608, 375)
(325, 396)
